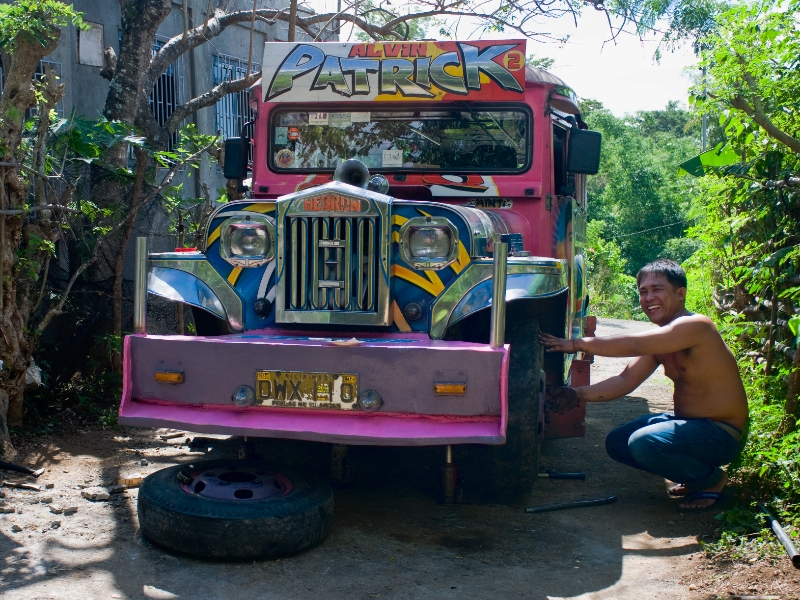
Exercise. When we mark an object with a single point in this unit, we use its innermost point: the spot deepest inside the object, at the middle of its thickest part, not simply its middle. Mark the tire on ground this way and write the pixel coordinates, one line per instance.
(191, 524)
(513, 467)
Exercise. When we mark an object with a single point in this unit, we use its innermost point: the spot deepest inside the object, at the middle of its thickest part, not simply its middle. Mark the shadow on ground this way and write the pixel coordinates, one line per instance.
(390, 539)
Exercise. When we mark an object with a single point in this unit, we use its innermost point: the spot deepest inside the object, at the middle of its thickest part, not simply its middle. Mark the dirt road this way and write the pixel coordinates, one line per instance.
(389, 539)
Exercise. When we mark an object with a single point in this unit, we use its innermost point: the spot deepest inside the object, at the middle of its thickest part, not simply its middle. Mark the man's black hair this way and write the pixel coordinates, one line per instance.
(668, 268)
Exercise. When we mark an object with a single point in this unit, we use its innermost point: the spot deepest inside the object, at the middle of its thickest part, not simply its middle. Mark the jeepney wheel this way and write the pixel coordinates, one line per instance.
(513, 467)
(234, 509)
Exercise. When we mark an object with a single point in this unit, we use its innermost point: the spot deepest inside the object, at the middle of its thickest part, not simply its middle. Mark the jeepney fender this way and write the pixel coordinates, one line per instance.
(528, 278)
(197, 283)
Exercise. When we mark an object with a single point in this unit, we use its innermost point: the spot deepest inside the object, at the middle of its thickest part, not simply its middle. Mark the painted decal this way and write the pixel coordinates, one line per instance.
(330, 71)
(495, 203)
(460, 185)
(284, 158)
(439, 185)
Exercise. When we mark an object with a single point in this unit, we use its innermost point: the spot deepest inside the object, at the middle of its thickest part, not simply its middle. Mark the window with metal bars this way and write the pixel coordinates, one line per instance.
(233, 110)
(168, 92)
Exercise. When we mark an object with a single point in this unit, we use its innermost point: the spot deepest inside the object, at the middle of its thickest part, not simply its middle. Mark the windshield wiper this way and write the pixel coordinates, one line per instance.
(489, 133)
(419, 133)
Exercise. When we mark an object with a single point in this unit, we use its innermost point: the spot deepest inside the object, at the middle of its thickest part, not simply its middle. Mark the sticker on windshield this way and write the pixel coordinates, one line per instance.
(281, 135)
(392, 158)
(360, 117)
(293, 133)
(292, 119)
(284, 158)
(317, 118)
(339, 119)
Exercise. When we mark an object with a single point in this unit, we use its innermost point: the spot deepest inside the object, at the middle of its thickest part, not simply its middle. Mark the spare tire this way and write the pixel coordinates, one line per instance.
(234, 509)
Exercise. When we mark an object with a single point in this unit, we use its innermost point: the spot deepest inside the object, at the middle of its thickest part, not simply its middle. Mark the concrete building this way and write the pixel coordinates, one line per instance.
(79, 60)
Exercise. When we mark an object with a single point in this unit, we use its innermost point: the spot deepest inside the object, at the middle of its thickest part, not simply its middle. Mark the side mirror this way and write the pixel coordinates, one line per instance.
(236, 152)
(583, 155)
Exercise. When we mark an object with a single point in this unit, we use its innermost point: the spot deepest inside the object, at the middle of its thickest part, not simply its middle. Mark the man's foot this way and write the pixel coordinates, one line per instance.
(704, 499)
(678, 490)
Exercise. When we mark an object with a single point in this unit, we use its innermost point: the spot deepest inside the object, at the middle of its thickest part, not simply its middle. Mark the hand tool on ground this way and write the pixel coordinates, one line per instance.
(573, 504)
(551, 474)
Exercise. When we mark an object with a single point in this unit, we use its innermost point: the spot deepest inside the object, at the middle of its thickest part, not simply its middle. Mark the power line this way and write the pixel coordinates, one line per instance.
(616, 237)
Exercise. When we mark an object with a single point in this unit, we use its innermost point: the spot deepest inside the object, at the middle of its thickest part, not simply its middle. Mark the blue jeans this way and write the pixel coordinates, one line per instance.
(688, 451)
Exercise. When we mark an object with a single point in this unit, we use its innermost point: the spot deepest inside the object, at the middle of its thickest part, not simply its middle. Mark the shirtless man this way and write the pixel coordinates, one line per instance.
(689, 446)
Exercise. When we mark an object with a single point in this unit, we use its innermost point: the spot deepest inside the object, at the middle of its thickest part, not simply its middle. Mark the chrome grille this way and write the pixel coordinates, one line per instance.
(332, 264)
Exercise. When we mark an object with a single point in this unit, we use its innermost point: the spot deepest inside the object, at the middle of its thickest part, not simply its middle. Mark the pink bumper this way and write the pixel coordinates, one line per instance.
(402, 370)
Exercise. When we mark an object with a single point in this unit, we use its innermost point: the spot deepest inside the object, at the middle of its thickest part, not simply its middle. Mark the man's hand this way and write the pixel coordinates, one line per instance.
(563, 400)
(556, 344)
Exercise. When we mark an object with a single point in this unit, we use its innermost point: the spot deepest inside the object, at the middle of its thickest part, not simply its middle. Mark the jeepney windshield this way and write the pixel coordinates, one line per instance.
(456, 139)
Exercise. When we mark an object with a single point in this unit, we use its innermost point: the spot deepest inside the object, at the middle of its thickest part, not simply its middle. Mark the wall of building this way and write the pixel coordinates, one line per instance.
(78, 58)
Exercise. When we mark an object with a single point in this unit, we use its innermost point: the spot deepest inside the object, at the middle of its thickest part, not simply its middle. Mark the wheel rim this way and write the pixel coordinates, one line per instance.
(236, 483)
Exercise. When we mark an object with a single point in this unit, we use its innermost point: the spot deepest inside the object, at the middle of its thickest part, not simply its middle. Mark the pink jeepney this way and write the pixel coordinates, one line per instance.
(397, 189)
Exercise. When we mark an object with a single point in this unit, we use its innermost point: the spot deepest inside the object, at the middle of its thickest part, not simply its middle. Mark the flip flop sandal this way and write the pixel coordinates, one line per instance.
(692, 496)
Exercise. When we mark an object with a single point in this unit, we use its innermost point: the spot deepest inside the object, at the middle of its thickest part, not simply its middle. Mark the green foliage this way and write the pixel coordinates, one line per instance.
(685, 21)
(637, 192)
(87, 140)
(190, 143)
(750, 250)
(541, 62)
(415, 29)
(37, 20)
(89, 397)
(612, 291)
(769, 465)
(753, 58)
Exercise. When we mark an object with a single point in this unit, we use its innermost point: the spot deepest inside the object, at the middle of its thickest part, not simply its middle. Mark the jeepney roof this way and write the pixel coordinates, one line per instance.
(534, 75)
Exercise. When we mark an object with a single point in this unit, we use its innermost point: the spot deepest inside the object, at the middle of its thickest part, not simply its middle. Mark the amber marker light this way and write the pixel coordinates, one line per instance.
(169, 376)
(450, 389)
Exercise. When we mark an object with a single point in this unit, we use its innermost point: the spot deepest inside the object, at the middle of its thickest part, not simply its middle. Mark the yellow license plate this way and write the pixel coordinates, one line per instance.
(295, 389)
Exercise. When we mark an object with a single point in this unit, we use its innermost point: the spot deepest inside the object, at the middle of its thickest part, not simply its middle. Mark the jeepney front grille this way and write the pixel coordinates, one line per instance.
(332, 264)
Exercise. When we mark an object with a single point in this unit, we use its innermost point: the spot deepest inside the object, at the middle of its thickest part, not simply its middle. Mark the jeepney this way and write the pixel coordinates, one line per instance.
(414, 216)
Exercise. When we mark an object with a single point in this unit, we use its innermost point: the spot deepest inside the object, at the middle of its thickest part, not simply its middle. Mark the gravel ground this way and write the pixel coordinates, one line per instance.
(390, 539)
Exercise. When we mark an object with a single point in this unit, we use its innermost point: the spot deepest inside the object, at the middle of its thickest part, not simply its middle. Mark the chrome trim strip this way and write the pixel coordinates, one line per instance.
(551, 279)
(180, 286)
(140, 287)
(497, 332)
(208, 274)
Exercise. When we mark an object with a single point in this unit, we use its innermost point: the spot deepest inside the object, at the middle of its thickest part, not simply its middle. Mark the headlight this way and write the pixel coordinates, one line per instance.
(429, 242)
(248, 241)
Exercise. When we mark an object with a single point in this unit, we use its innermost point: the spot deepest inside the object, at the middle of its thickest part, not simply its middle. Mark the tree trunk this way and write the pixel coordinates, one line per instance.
(142, 164)
(140, 21)
(791, 410)
(16, 284)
